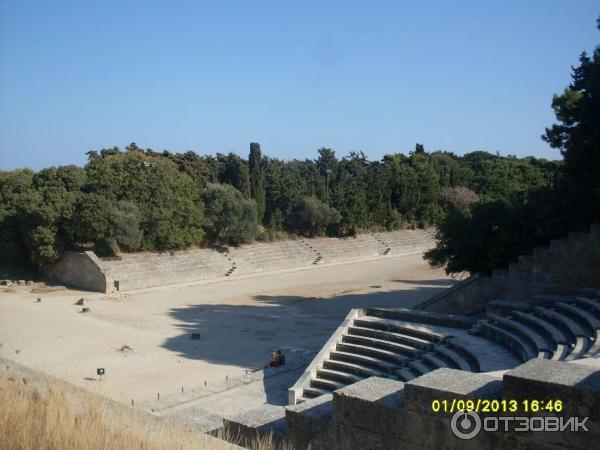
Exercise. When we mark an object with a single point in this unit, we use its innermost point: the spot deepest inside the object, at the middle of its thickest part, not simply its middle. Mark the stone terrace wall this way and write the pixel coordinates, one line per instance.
(79, 269)
(562, 267)
(144, 270)
(382, 414)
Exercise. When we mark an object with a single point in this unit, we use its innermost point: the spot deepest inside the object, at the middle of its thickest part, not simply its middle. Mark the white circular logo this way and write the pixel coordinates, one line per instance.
(465, 424)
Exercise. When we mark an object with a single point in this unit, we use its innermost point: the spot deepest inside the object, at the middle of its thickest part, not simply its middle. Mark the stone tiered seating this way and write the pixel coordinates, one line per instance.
(402, 344)
(361, 246)
(408, 240)
(272, 256)
(142, 270)
(554, 326)
(383, 342)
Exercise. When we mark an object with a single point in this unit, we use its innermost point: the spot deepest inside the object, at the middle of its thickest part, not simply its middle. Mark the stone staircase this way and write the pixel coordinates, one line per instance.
(403, 344)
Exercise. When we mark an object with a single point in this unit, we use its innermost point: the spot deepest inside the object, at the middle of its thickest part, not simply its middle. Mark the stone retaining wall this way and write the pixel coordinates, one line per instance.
(81, 270)
(562, 267)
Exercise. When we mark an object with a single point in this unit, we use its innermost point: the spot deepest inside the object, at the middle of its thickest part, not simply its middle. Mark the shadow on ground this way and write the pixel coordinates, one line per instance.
(244, 335)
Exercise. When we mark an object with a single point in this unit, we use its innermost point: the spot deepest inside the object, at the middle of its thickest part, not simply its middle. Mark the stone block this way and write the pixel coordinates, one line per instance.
(308, 422)
(341, 437)
(576, 386)
(266, 422)
(435, 432)
(448, 384)
(374, 405)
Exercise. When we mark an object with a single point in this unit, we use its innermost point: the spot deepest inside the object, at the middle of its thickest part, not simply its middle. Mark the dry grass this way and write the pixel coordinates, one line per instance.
(48, 418)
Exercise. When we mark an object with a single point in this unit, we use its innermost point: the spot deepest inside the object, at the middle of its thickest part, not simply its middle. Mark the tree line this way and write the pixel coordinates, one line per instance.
(138, 199)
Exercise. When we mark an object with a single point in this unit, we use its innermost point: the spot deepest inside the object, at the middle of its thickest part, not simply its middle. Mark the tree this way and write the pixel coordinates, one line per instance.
(233, 170)
(168, 199)
(312, 216)
(125, 226)
(257, 179)
(231, 217)
(577, 135)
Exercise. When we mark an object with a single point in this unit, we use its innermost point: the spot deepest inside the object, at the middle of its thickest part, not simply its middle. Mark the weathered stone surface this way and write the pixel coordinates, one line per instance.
(79, 269)
(342, 437)
(448, 384)
(374, 405)
(308, 422)
(577, 386)
(261, 423)
(434, 432)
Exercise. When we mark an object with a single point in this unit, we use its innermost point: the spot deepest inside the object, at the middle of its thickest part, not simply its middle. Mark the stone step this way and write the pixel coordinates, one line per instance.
(514, 343)
(313, 392)
(453, 357)
(524, 331)
(347, 367)
(565, 323)
(542, 326)
(402, 341)
(383, 349)
(463, 349)
(435, 362)
(337, 375)
(585, 318)
(570, 328)
(419, 367)
(326, 384)
(426, 317)
(425, 337)
(590, 305)
(363, 360)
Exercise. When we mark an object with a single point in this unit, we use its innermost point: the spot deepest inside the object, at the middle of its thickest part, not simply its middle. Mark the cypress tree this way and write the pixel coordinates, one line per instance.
(257, 179)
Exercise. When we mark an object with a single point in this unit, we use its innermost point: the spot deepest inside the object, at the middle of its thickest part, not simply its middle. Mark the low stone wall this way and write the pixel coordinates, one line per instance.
(383, 414)
(81, 270)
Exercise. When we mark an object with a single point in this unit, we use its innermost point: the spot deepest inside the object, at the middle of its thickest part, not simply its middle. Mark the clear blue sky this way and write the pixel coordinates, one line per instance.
(375, 76)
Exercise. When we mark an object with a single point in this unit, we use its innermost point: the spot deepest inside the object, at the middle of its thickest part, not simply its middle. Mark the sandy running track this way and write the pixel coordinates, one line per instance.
(240, 321)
